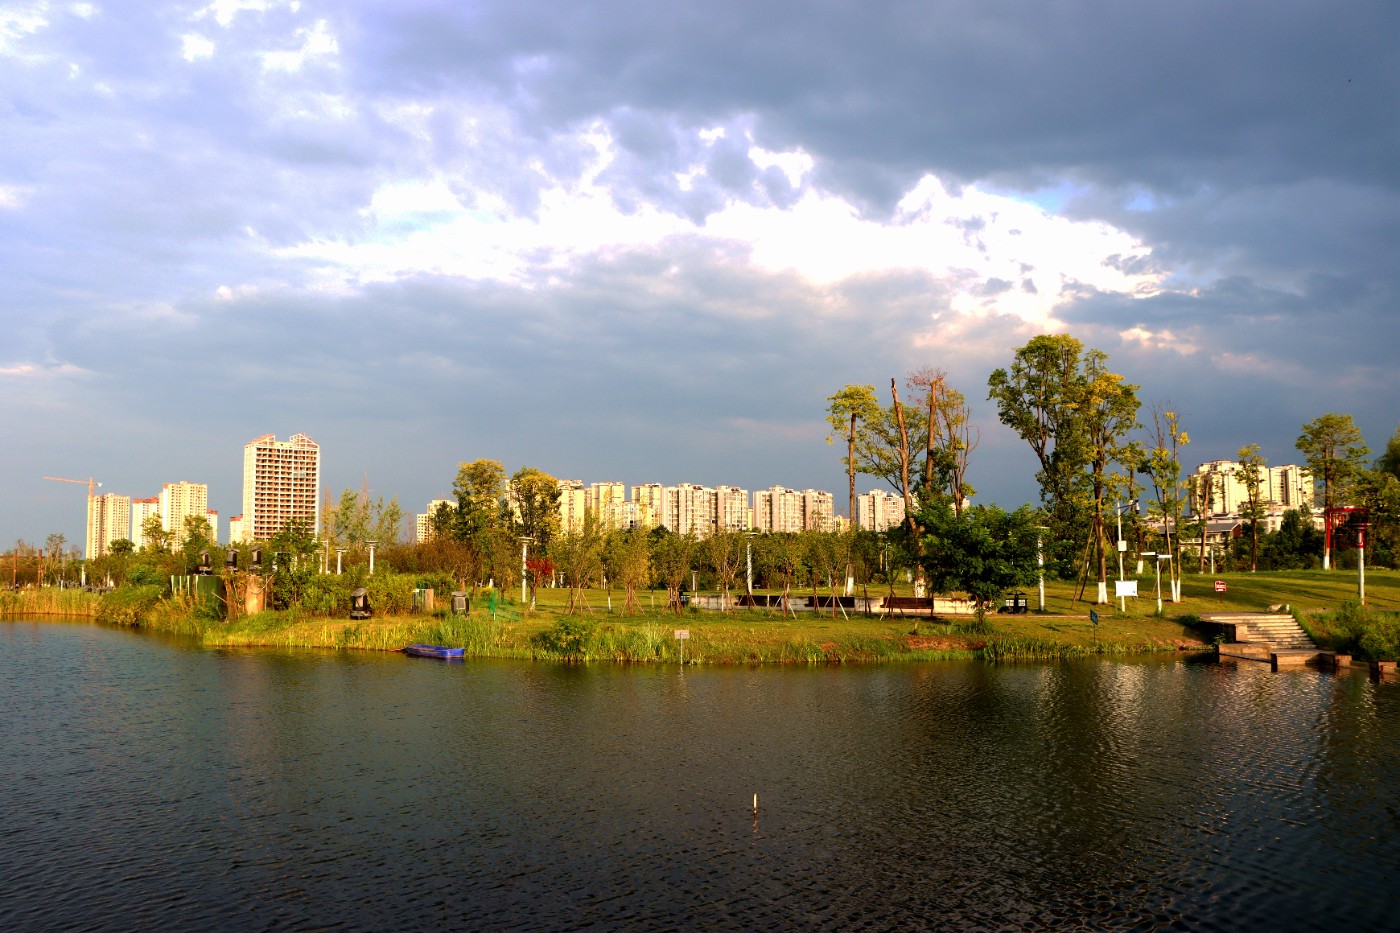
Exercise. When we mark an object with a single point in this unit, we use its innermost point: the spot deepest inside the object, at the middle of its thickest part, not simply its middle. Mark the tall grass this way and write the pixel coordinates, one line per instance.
(48, 601)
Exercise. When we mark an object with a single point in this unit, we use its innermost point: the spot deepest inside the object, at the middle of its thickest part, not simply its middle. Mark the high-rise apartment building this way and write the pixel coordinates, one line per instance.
(423, 523)
(1280, 487)
(280, 484)
(732, 510)
(648, 503)
(141, 510)
(818, 508)
(109, 519)
(605, 501)
(178, 502)
(237, 532)
(879, 510)
(573, 503)
(777, 510)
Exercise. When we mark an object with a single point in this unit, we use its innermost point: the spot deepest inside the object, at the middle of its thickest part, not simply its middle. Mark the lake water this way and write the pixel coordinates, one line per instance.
(150, 784)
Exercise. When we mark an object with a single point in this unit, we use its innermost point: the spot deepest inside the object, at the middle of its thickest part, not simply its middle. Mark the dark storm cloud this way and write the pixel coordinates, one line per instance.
(1249, 146)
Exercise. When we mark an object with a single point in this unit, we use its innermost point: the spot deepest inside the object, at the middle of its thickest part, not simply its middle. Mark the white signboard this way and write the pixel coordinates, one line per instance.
(1124, 588)
(682, 634)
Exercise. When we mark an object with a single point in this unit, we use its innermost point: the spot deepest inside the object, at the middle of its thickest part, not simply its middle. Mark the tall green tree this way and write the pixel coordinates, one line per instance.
(1163, 468)
(1062, 400)
(1109, 407)
(480, 489)
(1336, 454)
(847, 410)
(535, 497)
(1250, 474)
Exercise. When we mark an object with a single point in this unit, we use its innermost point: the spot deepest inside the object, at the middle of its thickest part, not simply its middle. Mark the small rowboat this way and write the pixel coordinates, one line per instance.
(435, 651)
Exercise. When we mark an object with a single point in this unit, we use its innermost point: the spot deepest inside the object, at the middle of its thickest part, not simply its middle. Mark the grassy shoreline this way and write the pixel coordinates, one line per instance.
(757, 636)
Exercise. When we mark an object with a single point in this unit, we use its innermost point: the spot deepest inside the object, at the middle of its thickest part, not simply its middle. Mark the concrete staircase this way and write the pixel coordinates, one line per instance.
(1279, 630)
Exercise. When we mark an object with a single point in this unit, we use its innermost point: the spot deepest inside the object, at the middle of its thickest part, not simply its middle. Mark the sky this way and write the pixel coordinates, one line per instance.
(644, 242)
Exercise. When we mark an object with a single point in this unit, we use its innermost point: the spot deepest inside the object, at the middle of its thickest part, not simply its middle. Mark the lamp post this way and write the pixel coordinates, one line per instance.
(1040, 561)
(748, 561)
(524, 553)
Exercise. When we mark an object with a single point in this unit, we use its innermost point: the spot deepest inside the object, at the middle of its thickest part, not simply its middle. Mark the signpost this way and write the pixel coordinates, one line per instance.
(1220, 588)
(681, 635)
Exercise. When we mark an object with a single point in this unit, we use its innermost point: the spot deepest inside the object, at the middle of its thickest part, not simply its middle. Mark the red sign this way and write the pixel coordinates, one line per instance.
(1220, 586)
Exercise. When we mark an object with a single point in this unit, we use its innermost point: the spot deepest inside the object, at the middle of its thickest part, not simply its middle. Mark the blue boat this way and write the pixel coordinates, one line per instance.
(435, 651)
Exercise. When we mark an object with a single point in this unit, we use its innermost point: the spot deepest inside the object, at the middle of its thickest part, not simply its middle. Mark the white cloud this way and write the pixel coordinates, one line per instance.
(18, 22)
(317, 43)
(994, 254)
(1160, 340)
(13, 197)
(194, 47)
(224, 11)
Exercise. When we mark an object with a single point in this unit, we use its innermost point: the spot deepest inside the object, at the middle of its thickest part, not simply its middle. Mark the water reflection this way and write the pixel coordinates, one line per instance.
(160, 784)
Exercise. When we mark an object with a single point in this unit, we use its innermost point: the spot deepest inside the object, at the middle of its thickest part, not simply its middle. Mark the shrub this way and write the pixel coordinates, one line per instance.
(570, 639)
(127, 605)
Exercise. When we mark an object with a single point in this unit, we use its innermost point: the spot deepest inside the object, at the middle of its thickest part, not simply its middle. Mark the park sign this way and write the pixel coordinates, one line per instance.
(1220, 586)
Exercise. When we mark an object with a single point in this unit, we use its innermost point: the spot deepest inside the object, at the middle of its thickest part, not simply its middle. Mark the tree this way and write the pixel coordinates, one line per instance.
(1336, 454)
(627, 559)
(1163, 467)
(1250, 474)
(848, 408)
(983, 552)
(535, 496)
(673, 555)
(480, 490)
(154, 537)
(950, 437)
(1389, 461)
(723, 551)
(1063, 401)
(1109, 407)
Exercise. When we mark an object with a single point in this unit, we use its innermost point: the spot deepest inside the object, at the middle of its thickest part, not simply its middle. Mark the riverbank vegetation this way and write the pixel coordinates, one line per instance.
(503, 627)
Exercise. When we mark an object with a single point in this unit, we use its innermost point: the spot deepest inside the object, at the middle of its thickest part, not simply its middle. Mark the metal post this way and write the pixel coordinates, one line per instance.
(524, 552)
(1361, 571)
(1040, 560)
(371, 555)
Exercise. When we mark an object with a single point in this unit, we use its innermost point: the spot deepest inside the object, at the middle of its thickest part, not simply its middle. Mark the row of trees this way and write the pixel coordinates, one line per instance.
(1096, 463)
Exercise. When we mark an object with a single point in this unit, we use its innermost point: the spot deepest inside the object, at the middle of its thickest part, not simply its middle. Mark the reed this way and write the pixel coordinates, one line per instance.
(49, 601)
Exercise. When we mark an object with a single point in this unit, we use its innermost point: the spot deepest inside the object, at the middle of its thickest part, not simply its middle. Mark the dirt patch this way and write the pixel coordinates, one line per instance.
(942, 643)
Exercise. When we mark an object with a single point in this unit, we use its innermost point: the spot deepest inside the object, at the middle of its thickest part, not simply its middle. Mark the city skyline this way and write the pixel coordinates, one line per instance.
(662, 237)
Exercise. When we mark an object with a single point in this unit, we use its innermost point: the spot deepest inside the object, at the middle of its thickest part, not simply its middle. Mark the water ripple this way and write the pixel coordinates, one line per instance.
(151, 784)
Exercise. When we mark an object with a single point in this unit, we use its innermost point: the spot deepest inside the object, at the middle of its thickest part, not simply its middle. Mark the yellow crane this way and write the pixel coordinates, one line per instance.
(90, 482)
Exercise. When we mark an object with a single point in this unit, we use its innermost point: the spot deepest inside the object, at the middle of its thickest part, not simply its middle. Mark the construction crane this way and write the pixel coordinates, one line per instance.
(90, 482)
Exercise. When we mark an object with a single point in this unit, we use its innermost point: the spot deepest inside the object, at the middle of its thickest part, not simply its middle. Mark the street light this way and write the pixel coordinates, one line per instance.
(524, 552)
(748, 559)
